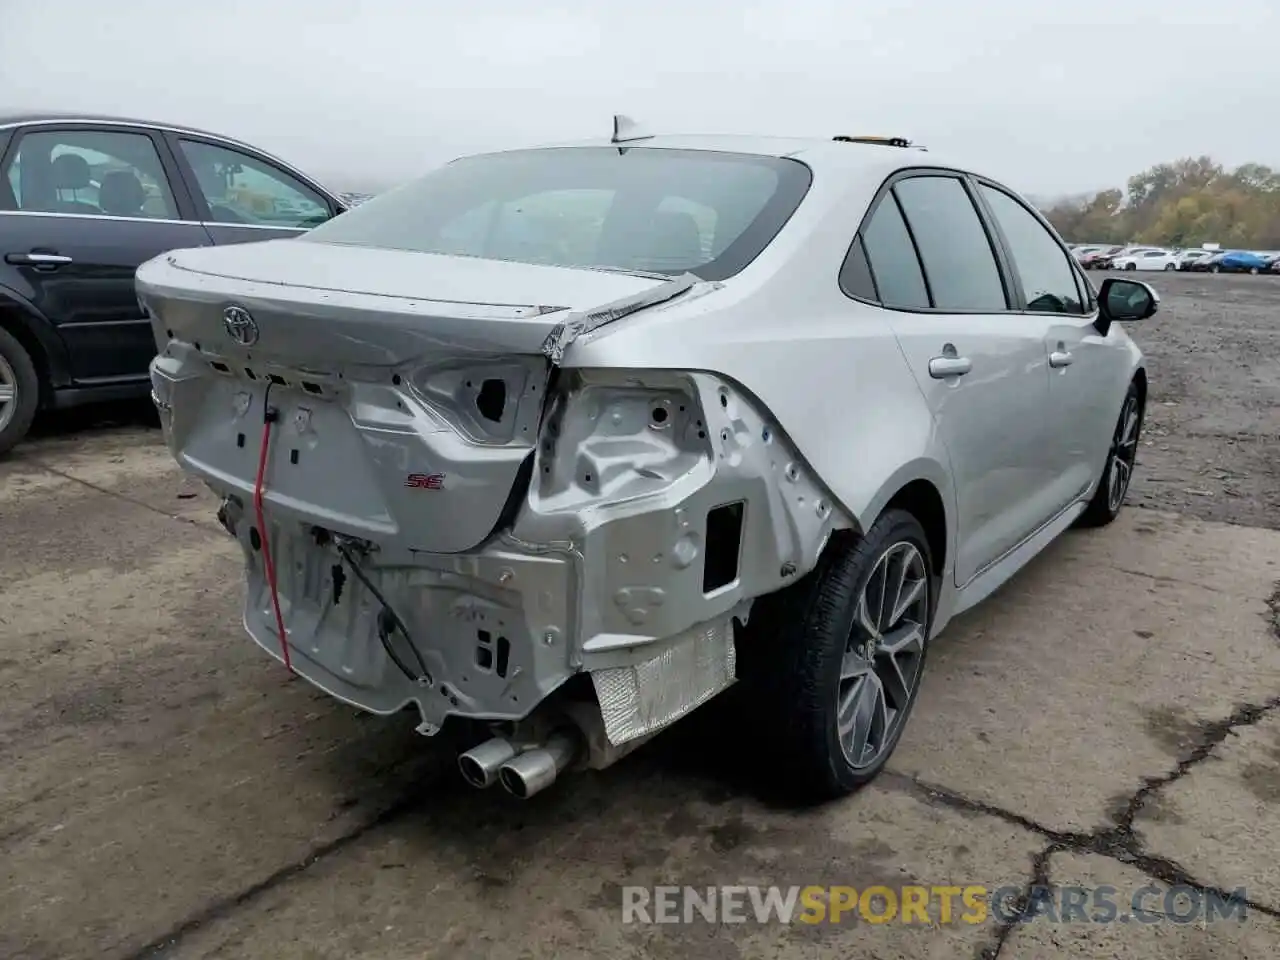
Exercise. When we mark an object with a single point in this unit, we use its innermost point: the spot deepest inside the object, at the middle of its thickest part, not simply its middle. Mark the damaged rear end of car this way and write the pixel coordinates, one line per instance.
(437, 513)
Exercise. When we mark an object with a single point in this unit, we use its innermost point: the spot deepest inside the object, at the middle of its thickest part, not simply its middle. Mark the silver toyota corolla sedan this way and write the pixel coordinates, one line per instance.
(557, 444)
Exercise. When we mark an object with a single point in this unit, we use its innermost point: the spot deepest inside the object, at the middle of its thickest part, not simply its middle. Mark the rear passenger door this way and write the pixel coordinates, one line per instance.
(981, 366)
(242, 196)
(82, 207)
(1088, 376)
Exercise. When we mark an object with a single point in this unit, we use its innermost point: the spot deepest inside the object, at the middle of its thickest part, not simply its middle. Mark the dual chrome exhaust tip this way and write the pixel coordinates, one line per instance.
(522, 773)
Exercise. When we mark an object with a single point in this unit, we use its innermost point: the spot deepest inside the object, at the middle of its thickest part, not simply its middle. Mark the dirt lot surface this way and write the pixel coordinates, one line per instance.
(1109, 721)
(1213, 422)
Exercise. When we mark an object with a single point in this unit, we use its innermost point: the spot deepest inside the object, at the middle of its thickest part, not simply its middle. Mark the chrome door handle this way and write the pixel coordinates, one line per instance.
(37, 259)
(1061, 358)
(942, 367)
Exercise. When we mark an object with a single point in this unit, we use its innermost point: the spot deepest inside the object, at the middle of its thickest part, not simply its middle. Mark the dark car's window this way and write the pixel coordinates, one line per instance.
(953, 244)
(91, 173)
(893, 259)
(242, 189)
(1048, 280)
(641, 209)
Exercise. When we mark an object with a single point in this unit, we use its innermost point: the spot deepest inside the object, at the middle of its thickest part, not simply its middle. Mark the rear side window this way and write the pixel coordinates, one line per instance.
(92, 173)
(1049, 282)
(647, 210)
(958, 259)
(855, 275)
(893, 260)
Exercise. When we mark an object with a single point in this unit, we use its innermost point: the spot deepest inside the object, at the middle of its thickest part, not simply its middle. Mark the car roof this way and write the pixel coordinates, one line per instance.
(55, 116)
(815, 151)
(9, 120)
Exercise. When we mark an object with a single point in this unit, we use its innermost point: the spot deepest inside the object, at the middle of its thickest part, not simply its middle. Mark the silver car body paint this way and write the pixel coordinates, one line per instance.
(667, 398)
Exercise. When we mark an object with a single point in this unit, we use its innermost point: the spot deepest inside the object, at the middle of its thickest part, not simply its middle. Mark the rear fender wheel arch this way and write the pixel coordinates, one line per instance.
(832, 664)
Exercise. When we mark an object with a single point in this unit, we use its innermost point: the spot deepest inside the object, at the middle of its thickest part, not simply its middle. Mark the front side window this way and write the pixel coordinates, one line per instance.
(1048, 279)
(646, 210)
(90, 173)
(242, 189)
(957, 255)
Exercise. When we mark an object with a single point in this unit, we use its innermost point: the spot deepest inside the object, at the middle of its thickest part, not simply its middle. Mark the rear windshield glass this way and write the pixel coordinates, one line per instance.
(637, 209)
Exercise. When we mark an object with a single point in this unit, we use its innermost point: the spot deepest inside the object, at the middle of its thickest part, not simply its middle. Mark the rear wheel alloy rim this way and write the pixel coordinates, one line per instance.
(1124, 452)
(882, 659)
(8, 393)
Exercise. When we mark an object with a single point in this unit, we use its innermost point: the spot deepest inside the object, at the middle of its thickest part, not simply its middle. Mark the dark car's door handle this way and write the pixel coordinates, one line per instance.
(37, 259)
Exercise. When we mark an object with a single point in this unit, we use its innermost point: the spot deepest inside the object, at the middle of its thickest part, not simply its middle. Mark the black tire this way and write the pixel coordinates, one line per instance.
(1130, 266)
(1104, 506)
(794, 649)
(1170, 266)
(26, 383)
(1215, 269)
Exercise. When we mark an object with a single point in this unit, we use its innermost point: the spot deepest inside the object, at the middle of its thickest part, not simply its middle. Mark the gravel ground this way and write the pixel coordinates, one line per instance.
(1110, 719)
(1212, 434)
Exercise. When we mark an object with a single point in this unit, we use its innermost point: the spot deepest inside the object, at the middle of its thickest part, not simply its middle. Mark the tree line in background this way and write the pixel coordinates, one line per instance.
(1181, 204)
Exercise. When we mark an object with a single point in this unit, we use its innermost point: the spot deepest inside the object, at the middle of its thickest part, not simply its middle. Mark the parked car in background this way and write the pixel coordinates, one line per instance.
(1187, 259)
(1238, 261)
(1107, 262)
(83, 202)
(1151, 259)
(1273, 263)
(1206, 264)
(403, 408)
(1082, 250)
(1100, 259)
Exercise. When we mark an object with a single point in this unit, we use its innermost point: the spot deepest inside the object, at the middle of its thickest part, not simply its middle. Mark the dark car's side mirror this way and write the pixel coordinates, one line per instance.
(1125, 301)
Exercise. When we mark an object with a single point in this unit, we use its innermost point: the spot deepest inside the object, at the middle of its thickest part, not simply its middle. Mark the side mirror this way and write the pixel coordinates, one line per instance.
(1121, 301)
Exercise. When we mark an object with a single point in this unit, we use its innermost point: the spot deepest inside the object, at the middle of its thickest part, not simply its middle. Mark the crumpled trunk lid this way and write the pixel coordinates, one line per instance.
(406, 388)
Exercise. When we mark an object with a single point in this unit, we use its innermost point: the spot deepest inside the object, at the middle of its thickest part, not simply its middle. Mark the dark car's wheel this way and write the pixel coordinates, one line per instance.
(19, 392)
(833, 664)
(1131, 266)
(1170, 266)
(1122, 457)
(1215, 269)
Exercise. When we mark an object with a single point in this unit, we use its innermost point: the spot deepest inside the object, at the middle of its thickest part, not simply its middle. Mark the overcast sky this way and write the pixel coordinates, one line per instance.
(1052, 96)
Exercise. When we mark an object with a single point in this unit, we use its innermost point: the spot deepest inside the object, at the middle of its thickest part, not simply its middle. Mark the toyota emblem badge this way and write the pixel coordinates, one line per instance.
(240, 326)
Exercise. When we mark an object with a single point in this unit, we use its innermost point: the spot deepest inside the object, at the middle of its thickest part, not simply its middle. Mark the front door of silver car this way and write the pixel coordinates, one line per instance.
(1088, 376)
(937, 275)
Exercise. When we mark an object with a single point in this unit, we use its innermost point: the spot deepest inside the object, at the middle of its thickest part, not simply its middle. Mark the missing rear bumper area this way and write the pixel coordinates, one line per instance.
(660, 506)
